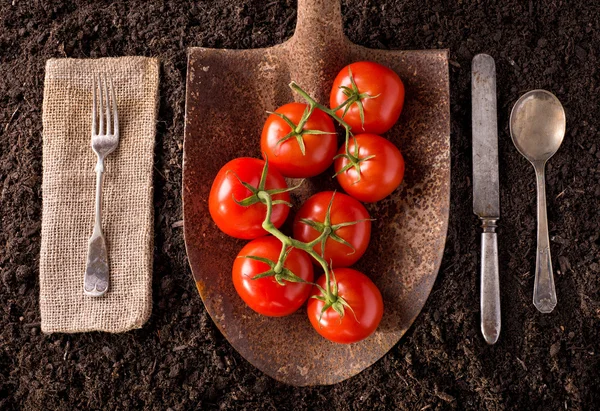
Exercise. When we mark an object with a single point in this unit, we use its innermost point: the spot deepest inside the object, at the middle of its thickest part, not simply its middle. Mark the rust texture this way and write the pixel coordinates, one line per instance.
(228, 92)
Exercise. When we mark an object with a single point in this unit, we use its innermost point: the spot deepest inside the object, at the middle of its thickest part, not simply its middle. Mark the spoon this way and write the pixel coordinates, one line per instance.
(537, 128)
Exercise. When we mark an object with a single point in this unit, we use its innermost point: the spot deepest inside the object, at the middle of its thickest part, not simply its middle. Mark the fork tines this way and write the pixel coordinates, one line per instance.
(101, 107)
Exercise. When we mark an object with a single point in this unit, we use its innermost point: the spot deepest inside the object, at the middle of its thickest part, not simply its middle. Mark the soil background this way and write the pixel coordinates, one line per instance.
(179, 360)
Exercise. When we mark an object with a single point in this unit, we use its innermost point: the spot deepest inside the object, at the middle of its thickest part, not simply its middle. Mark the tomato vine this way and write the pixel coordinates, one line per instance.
(276, 269)
(353, 160)
(329, 292)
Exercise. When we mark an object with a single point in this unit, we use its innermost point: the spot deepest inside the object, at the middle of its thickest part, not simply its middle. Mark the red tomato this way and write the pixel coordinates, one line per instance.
(380, 113)
(236, 220)
(265, 295)
(287, 157)
(364, 298)
(344, 209)
(379, 176)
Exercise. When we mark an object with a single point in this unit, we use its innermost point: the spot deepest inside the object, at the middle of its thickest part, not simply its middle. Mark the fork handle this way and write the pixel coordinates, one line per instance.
(99, 182)
(96, 281)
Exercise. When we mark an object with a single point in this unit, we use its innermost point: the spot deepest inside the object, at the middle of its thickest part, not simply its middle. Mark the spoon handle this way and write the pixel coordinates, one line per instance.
(544, 293)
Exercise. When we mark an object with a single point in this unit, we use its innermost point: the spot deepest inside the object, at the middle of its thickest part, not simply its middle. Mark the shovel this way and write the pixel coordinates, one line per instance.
(228, 94)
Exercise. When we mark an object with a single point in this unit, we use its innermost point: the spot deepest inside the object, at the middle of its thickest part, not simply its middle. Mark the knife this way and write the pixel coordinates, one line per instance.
(486, 202)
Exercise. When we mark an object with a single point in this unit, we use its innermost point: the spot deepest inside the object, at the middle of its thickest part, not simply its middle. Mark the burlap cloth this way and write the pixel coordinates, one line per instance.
(68, 189)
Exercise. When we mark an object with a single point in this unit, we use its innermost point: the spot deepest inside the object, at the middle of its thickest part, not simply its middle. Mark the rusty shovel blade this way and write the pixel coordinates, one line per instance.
(228, 93)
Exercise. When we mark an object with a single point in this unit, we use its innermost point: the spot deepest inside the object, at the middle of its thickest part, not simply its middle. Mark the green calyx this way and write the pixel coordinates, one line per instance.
(339, 305)
(276, 270)
(297, 130)
(354, 96)
(329, 230)
(254, 198)
(332, 300)
(353, 160)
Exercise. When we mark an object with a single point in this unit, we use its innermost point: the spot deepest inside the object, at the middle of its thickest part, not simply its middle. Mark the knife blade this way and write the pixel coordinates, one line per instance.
(486, 188)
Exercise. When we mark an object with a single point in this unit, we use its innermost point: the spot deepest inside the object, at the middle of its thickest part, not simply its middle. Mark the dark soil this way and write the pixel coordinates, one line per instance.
(179, 360)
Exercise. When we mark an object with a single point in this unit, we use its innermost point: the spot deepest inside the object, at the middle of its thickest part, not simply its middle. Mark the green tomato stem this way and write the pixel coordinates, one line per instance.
(286, 241)
(281, 260)
(304, 119)
(312, 102)
(332, 112)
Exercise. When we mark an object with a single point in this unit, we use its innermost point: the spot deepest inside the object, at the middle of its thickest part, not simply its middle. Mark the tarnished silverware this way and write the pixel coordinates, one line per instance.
(537, 128)
(486, 197)
(104, 141)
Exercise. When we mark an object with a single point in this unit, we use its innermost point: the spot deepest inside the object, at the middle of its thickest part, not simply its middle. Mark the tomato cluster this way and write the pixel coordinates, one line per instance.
(249, 198)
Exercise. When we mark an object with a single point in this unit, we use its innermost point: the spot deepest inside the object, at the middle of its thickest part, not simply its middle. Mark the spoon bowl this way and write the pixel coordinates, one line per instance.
(537, 128)
(537, 125)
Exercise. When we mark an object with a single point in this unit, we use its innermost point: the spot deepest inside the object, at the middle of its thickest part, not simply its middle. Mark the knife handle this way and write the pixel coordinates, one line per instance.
(490, 282)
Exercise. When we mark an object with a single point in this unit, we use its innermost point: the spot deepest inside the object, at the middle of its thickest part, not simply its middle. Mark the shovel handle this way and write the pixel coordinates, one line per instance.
(319, 20)
(318, 49)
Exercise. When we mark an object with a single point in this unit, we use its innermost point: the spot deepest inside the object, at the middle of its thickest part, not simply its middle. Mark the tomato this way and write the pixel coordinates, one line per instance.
(379, 176)
(344, 209)
(372, 79)
(364, 298)
(265, 295)
(234, 219)
(287, 156)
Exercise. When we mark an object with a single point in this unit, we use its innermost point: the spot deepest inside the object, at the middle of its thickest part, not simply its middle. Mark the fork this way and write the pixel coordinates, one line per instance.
(104, 142)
